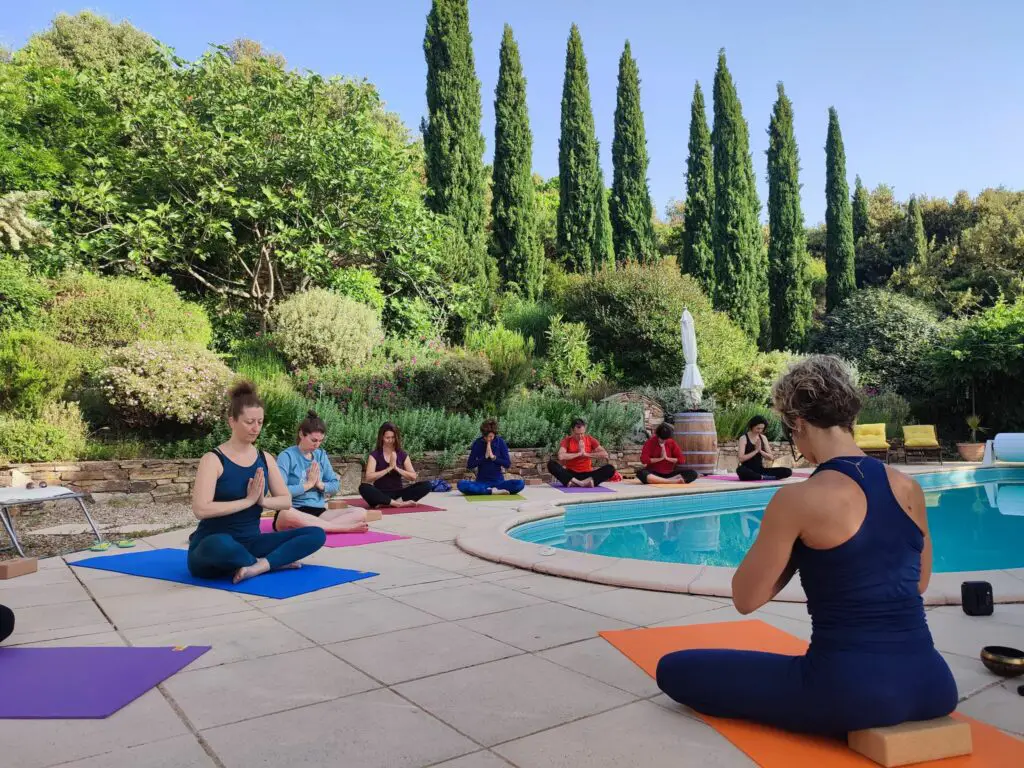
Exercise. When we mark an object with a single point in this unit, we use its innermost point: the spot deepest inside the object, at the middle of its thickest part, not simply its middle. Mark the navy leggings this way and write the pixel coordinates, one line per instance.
(827, 693)
(221, 554)
(476, 488)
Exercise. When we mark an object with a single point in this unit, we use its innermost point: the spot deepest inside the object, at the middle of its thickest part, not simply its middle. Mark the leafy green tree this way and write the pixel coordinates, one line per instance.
(86, 41)
(252, 184)
(452, 140)
(630, 203)
(861, 218)
(698, 255)
(912, 246)
(839, 253)
(513, 209)
(739, 246)
(791, 303)
(578, 169)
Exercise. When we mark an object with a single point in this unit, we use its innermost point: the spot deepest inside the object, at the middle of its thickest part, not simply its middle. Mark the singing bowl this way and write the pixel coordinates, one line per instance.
(1008, 662)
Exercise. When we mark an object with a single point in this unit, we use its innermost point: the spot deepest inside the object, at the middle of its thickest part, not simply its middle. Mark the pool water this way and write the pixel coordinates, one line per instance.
(976, 519)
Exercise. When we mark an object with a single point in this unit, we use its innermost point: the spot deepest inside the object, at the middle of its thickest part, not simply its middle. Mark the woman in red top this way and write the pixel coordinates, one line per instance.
(662, 458)
(575, 452)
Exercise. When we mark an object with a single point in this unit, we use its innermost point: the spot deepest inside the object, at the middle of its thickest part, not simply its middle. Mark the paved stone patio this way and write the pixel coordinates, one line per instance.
(441, 660)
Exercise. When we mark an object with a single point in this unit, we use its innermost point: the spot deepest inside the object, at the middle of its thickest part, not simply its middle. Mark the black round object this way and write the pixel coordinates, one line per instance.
(1008, 662)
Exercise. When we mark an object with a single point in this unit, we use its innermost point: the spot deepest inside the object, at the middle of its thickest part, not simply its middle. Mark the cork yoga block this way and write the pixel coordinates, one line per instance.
(373, 515)
(913, 742)
(19, 566)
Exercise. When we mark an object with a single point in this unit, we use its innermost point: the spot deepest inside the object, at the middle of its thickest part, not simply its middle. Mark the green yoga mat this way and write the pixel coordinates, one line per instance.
(496, 497)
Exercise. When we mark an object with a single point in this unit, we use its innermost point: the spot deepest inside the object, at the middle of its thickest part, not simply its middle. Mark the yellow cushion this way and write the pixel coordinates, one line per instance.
(870, 436)
(920, 436)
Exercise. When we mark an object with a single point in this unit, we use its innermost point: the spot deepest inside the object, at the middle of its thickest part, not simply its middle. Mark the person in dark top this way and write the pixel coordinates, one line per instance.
(6, 622)
(662, 458)
(489, 457)
(857, 532)
(386, 468)
(307, 471)
(753, 450)
(229, 496)
(575, 467)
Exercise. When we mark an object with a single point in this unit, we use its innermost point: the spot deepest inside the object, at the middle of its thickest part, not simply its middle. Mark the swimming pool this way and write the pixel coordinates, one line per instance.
(976, 518)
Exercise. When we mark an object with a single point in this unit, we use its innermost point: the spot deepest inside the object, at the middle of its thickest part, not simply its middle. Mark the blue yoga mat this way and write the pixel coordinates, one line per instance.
(170, 565)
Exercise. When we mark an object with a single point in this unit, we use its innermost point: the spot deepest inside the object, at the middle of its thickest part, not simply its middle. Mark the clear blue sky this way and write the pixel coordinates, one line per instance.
(930, 93)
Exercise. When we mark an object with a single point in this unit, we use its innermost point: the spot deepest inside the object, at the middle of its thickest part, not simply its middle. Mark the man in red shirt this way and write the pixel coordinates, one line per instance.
(575, 454)
(662, 458)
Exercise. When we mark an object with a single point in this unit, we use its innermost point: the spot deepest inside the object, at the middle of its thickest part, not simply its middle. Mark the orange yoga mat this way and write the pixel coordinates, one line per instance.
(771, 747)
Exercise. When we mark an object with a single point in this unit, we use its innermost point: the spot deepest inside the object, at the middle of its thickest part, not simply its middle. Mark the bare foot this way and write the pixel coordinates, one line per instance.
(355, 528)
(400, 503)
(290, 566)
(588, 483)
(499, 492)
(258, 568)
(574, 483)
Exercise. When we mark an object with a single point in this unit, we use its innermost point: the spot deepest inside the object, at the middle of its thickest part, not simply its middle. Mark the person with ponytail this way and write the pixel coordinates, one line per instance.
(229, 496)
(310, 478)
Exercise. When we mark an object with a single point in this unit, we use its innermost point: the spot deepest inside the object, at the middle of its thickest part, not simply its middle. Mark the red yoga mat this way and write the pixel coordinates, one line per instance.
(394, 510)
(774, 748)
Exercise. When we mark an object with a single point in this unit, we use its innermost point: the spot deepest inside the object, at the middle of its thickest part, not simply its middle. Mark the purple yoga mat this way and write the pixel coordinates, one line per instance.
(596, 489)
(83, 683)
(342, 539)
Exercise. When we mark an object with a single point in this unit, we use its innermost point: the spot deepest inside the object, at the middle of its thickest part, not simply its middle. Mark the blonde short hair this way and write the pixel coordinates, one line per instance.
(820, 389)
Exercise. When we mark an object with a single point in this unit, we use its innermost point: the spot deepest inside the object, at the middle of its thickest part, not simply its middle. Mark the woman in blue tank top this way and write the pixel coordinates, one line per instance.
(857, 532)
(229, 496)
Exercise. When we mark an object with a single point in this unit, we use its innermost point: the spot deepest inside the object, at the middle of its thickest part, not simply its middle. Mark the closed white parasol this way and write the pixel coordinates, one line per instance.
(692, 381)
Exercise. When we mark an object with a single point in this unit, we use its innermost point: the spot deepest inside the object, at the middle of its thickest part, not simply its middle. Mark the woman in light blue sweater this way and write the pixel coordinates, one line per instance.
(311, 479)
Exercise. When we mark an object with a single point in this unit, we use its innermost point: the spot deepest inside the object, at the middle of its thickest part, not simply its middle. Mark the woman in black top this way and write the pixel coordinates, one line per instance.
(753, 450)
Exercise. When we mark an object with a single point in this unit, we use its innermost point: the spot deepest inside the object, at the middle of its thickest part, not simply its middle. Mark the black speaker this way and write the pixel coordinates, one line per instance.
(976, 597)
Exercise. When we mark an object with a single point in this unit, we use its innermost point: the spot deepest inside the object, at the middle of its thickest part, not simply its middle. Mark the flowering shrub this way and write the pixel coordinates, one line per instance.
(57, 435)
(158, 383)
(321, 328)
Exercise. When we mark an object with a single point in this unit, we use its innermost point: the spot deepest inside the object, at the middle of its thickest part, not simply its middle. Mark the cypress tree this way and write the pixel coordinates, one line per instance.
(860, 210)
(513, 208)
(840, 281)
(603, 254)
(452, 142)
(790, 295)
(630, 204)
(912, 246)
(577, 163)
(698, 256)
(740, 279)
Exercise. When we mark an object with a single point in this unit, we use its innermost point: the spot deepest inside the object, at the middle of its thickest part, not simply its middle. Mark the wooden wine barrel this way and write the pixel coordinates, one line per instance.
(698, 440)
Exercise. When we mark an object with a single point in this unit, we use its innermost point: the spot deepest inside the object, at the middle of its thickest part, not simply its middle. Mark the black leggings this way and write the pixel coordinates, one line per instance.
(766, 473)
(600, 475)
(375, 497)
(688, 475)
(6, 622)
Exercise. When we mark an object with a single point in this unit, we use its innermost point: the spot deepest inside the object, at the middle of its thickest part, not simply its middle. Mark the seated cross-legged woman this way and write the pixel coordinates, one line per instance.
(386, 468)
(857, 533)
(229, 497)
(575, 467)
(310, 478)
(490, 458)
(754, 450)
(662, 460)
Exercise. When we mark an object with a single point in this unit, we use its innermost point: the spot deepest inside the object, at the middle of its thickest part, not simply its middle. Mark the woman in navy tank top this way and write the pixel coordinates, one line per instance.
(857, 533)
(229, 496)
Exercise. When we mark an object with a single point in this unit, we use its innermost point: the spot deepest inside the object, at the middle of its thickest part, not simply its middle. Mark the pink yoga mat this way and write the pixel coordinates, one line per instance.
(342, 539)
(394, 510)
(735, 479)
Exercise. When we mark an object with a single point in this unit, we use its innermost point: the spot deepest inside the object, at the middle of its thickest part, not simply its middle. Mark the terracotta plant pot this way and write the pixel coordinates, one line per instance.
(971, 451)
